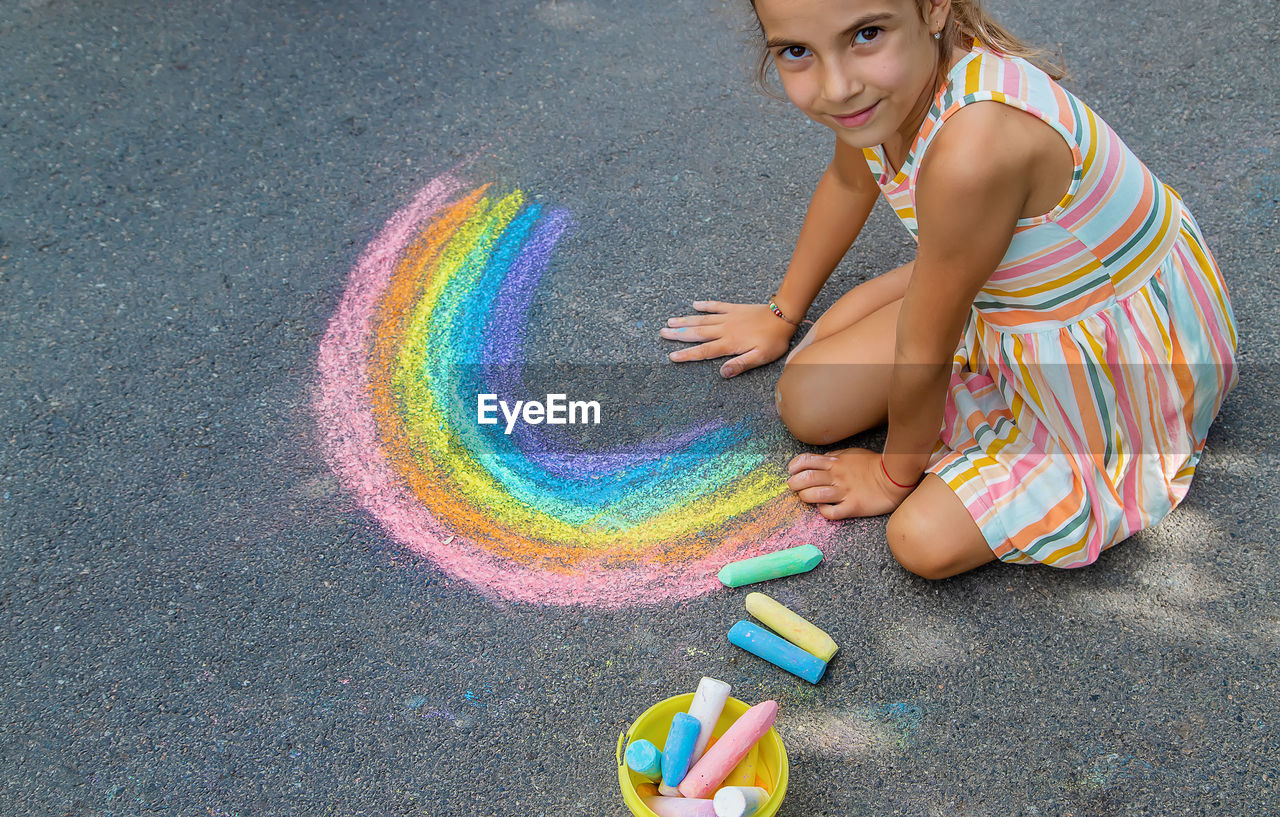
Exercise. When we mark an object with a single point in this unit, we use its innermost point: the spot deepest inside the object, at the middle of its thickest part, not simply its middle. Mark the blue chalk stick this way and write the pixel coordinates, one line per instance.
(679, 748)
(644, 759)
(778, 651)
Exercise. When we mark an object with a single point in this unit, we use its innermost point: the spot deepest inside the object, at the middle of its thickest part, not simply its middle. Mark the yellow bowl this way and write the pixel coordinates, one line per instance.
(771, 771)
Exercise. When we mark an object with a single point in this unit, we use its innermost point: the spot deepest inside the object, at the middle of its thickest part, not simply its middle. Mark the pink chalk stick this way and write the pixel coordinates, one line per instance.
(680, 807)
(720, 759)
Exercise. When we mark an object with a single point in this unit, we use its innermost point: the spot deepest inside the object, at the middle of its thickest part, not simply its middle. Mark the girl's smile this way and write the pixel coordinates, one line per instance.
(856, 119)
(864, 68)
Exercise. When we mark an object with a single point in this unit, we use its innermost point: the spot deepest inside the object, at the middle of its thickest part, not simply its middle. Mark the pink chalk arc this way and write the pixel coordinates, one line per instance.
(447, 284)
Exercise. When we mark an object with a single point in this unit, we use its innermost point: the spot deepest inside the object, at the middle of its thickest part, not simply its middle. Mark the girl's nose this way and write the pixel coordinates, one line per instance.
(839, 84)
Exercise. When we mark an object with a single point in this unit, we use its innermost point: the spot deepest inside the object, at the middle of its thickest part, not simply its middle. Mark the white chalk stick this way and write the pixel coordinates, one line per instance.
(739, 801)
(708, 703)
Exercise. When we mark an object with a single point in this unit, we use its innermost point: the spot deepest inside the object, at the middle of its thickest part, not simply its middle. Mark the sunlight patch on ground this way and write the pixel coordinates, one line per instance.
(863, 731)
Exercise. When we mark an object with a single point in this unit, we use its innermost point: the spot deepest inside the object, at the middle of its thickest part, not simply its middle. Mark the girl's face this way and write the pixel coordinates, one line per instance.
(864, 68)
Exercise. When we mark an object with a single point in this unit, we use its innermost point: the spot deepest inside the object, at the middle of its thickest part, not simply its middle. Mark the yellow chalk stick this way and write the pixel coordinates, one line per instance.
(744, 774)
(791, 626)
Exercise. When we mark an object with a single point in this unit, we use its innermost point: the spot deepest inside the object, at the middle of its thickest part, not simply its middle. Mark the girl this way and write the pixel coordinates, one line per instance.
(1049, 363)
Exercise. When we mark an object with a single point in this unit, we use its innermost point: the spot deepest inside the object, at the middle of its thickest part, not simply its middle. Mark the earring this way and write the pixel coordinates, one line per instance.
(937, 35)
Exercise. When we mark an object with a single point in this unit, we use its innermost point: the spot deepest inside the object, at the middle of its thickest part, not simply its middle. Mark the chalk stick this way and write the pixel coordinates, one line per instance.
(644, 759)
(708, 703)
(646, 790)
(739, 801)
(732, 747)
(679, 747)
(668, 791)
(771, 566)
(777, 651)
(744, 774)
(791, 626)
(680, 807)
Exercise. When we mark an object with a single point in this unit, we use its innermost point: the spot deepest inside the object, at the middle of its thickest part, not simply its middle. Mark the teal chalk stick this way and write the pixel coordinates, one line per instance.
(644, 759)
(777, 651)
(770, 566)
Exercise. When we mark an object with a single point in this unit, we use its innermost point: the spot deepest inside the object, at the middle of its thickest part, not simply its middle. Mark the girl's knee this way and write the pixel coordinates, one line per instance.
(932, 545)
(798, 399)
(915, 544)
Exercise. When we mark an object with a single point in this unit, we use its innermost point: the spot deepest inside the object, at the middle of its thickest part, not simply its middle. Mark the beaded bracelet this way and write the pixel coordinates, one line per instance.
(894, 481)
(774, 308)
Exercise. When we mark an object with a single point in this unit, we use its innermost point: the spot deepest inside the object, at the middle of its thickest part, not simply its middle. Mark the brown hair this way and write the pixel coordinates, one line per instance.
(967, 21)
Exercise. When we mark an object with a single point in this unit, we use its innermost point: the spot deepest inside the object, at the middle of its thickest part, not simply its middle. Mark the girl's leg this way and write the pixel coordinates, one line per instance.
(838, 384)
(857, 304)
(836, 381)
(932, 534)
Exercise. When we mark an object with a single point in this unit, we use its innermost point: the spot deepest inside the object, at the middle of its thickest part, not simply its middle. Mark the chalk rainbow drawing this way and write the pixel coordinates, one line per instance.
(436, 312)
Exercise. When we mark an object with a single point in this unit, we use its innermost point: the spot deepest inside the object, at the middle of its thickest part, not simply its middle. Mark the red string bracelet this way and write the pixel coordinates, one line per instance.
(891, 479)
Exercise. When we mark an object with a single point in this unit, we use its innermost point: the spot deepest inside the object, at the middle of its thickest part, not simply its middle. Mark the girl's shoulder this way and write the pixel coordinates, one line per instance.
(984, 147)
(988, 137)
(982, 75)
(990, 133)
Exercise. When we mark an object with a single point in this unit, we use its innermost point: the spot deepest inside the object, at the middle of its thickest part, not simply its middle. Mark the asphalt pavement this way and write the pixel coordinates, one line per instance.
(201, 616)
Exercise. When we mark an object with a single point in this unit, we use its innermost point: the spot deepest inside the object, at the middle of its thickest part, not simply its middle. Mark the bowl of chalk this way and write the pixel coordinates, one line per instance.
(703, 754)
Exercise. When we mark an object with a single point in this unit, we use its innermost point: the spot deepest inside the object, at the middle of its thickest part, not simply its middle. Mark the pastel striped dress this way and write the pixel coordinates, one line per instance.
(1095, 357)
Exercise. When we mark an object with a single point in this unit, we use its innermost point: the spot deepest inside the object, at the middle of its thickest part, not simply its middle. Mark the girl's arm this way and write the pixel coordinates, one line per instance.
(840, 206)
(968, 200)
(837, 212)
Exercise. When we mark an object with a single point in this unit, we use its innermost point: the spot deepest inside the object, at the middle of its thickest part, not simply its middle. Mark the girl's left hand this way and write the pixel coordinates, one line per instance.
(750, 332)
(845, 484)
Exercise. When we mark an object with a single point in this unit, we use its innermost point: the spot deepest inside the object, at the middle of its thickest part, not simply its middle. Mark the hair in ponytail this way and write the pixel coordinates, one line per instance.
(969, 21)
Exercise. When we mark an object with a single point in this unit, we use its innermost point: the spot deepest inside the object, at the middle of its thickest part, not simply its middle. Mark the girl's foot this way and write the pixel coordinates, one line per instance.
(845, 484)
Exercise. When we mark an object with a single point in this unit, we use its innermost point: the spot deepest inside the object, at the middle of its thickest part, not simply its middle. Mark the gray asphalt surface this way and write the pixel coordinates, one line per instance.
(199, 621)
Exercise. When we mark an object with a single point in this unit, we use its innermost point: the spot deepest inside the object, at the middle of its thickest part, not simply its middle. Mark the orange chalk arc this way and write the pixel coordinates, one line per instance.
(436, 313)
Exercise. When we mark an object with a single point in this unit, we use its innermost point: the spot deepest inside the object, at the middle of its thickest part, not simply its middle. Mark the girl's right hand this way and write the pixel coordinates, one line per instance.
(751, 332)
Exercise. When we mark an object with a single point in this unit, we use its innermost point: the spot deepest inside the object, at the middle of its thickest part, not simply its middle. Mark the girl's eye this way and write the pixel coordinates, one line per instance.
(867, 34)
(794, 52)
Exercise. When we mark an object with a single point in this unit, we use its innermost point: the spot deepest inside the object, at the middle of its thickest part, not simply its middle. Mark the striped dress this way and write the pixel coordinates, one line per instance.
(1096, 355)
